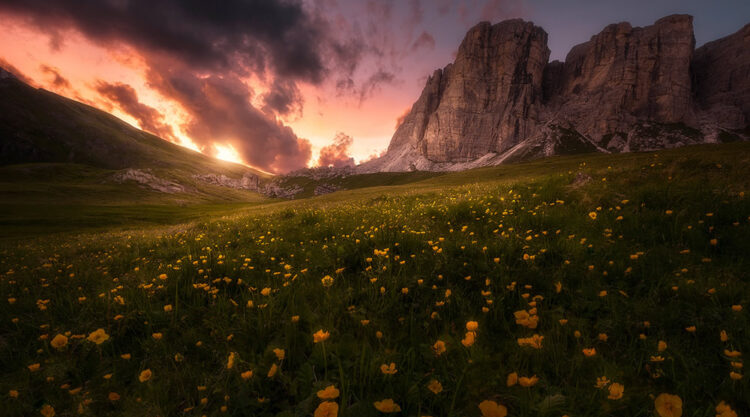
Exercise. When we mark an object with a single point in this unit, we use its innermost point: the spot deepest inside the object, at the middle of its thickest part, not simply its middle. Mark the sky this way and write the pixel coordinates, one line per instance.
(281, 85)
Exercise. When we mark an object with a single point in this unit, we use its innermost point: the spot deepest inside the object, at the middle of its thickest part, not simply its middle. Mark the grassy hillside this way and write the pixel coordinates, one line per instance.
(604, 285)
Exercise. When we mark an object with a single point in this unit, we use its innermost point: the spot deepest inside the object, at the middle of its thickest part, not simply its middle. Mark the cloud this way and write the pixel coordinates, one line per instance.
(424, 40)
(400, 119)
(125, 97)
(7, 66)
(284, 98)
(221, 112)
(58, 81)
(337, 154)
(373, 82)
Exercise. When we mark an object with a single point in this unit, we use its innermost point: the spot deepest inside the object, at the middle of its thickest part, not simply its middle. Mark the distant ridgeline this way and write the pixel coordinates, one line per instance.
(627, 89)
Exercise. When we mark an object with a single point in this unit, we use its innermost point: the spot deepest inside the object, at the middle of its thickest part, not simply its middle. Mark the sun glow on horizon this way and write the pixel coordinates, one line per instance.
(227, 153)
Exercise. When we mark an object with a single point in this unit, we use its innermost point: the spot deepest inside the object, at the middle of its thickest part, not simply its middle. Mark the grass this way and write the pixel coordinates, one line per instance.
(652, 245)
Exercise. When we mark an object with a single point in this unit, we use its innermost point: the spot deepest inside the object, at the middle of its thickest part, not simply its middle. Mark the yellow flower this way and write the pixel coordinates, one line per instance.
(528, 381)
(468, 340)
(735, 375)
(723, 336)
(295, 319)
(439, 347)
(13, 393)
(168, 308)
(601, 382)
(157, 336)
(472, 326)
(230, 360)
(592, 215)
(329, 393)
(732, 353)
(668, 405)
(113, 396)
(615, 391)
(327, 281)
(492, 409)
(327, 409)
(59, 341)
(163, 277)
(525, 319)
(662, 346)
(512, 379)
(588, 352)
(737, 308)
(690, 329)
(388, 369)
(145, 375)
(47, 411)
(534, 341)
(125, 356)
(98, 336)
(265, 291)
(246, 375)
(435, 386)
(34, 367)
(320, 336)
(724, 410)
(272, 371)
(387, 406)
(280, 354)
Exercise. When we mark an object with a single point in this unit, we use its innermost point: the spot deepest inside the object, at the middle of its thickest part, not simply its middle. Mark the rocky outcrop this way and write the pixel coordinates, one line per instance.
(626, 89)
(247, 182)
(625, 74)
(722, 79)
(145, 178)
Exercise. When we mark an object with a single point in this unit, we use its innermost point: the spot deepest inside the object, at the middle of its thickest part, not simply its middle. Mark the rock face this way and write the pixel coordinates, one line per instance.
(626, 89)
(722, 78)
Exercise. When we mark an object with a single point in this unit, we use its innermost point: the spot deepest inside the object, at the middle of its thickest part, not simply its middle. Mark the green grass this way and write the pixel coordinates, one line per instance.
(498, 238)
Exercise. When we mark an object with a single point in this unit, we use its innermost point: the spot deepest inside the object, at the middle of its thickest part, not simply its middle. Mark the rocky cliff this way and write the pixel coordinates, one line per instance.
(626, 89)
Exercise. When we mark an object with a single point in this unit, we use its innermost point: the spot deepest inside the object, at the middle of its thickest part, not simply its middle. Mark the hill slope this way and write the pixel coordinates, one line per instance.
(47, 138)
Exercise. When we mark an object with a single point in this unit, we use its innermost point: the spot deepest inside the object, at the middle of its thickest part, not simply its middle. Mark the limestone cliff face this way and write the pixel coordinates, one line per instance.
(486, 101)
(625, 74)
(722, 79)
(626, 89)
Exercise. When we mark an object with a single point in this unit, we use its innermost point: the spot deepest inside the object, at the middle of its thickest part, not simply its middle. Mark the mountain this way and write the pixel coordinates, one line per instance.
(47, 138)
(627, 89)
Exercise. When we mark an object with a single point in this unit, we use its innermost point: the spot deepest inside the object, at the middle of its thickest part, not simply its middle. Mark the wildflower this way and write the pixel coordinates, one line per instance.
(492, 409)
(732, 353)
(327, 409)
(512, 379)
(113, 396)
(327, 281)
(125, 356)
(98, 336)
(59, 341)
(388, 369)
(603, 337)
(469, 339)
(435, 386)
(13, 393)
(668, 405)
(439, 347)
(157, 336)
(737, 308)
(47, 410)
(528, 381)
(615, 391)
(295, 319)
(320, 336)
(534, 341)
(246, 375)
(34, 367)
(724, 410)
(272, 371)
(168, 308)
(265, 292)
(735, 375)
(592, 215)
(662, 346)
(589, 352)
(602, 382)
(525, 319)
(723, 336)
(472, 326)
(280, 354)
(387, 406)
(329, 393)
(230, 360)
(163, 277)
(145, 375)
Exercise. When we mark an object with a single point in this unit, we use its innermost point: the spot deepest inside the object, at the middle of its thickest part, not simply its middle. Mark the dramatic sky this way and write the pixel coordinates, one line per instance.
(284, 84)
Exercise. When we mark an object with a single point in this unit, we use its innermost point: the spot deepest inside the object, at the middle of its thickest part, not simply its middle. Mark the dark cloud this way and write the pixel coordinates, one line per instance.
(58, 81)
(337, 153)
(221, 112)
(374, 82)
(283, 98)
(125, 97)
(206, 35)
(424, 40)
(7, 66)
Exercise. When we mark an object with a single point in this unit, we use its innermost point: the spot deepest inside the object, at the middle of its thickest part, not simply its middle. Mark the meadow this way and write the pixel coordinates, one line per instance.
(590, 285)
